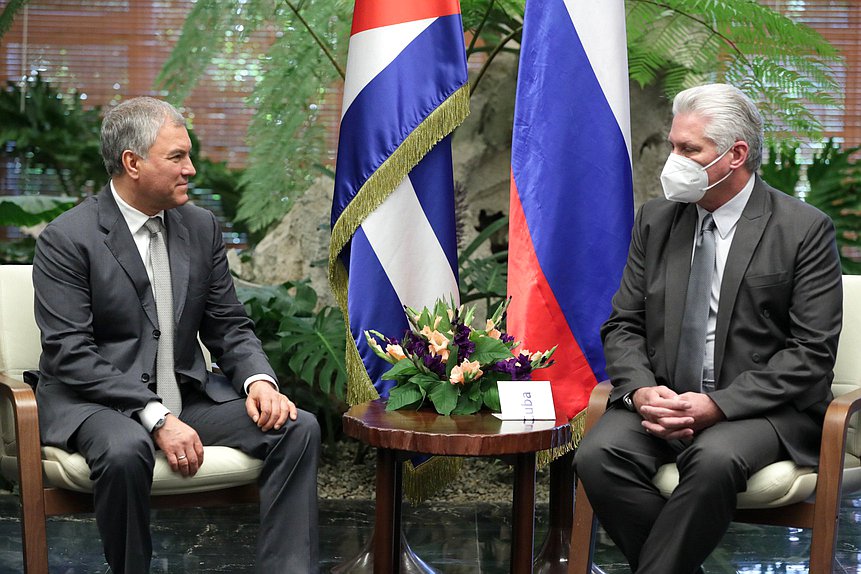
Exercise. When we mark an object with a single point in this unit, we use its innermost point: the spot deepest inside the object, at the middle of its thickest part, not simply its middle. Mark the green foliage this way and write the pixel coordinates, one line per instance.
(835, 188)
(295, 74)
(784, 65)
(305, 347)
(7, 16)
(51, 133)
(484, 277)
(22, 210)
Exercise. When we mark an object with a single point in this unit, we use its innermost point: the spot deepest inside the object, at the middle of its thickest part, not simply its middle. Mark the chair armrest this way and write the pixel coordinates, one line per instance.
(832, 450)
(597, 404)
(27, 441)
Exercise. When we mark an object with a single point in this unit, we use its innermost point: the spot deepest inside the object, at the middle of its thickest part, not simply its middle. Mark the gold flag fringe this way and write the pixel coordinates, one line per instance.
(439, 123)
(578, 427)
(423, 481)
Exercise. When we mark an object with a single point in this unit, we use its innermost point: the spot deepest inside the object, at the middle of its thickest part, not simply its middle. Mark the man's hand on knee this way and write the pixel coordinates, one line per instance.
(181, 445)
(267, 407)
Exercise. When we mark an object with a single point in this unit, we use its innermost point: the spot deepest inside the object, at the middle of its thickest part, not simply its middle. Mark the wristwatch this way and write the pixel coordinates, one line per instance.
(627, 400)
(158, 424)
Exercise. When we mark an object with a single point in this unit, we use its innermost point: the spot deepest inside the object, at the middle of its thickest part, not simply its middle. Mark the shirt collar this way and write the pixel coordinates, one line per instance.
(727, 215)
(135, 218)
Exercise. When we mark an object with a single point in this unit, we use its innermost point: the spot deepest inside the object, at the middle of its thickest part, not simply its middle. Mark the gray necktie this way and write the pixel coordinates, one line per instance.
(689, 361)
(165, 378)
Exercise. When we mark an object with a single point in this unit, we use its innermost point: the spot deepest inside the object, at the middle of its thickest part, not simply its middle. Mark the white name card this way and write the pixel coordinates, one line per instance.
(526, 401)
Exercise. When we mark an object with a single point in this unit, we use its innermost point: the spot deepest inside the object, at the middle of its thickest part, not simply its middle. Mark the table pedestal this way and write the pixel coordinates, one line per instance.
(399, 433)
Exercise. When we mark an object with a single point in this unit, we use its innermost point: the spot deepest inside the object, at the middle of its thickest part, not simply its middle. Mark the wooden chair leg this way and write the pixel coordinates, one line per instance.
(29, 453)
(582, 534)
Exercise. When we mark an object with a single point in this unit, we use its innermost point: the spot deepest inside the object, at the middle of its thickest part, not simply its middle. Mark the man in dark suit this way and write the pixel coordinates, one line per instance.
(752, 385)
(102, 391)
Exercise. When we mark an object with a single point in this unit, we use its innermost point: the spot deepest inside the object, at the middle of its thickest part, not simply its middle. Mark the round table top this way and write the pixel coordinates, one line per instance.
(424, 431)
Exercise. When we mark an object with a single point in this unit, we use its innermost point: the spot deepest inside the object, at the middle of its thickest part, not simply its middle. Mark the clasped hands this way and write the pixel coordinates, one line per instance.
(267, 407)
(670, 415)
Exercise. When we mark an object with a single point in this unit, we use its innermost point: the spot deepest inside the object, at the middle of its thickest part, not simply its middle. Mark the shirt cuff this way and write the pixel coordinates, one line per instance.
(153, 412)
(260, 377)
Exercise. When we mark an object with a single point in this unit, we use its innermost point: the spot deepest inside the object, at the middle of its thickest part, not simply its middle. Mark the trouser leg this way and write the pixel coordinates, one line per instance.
(288, 483)
(712, 471)
(121, 456)
(616, 462)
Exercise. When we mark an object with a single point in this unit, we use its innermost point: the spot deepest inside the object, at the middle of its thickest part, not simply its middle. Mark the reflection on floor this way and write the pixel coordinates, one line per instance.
(459, 539)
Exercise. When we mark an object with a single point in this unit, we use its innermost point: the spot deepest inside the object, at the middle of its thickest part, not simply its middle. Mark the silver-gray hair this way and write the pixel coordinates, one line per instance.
(134, 125)
(731, 115)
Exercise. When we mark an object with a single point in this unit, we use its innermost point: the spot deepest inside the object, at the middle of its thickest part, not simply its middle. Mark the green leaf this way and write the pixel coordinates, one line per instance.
(20, 210)
(403, 369)
(403, 395)
(444, 398)
(467, 405)
(427, 382)
(490, 397)
(489, 350)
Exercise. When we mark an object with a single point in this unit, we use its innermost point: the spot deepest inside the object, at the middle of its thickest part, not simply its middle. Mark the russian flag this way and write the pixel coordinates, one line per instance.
(393, 226)
(571, 209)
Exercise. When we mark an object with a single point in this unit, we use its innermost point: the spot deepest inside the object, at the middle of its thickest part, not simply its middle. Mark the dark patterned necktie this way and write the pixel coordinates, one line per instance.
(165, 378)
(692, 344)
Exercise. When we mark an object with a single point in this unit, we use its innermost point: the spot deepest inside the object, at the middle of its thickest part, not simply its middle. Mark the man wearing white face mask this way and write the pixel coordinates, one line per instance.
(721, 342)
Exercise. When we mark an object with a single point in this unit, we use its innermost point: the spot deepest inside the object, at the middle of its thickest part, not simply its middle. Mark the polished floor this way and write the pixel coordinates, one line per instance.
(459, 539)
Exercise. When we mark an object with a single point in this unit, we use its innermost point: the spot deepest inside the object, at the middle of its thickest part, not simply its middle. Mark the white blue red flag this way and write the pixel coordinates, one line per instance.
(393, 226)
(571, 208)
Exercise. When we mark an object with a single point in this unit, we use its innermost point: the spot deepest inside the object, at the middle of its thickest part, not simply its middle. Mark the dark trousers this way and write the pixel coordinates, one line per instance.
(617, 460)
(120, 453)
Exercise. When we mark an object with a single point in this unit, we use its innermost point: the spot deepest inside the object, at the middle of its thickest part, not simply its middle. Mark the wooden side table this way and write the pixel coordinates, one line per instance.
(395, 433)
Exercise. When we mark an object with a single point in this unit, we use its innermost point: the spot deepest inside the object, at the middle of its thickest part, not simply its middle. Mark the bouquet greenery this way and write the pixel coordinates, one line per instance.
(444, 359)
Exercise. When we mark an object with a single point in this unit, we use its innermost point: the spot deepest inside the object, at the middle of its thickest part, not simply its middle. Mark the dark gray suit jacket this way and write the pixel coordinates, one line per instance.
(778, 321)
(96, 311)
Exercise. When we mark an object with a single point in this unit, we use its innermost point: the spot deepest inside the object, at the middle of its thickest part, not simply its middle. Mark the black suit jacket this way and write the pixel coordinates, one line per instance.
(97, 314)
(778, 320)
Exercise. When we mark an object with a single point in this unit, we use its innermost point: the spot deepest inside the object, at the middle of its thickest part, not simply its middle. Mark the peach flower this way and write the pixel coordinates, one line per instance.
(396, 352)
(466, 370)
(492, 331)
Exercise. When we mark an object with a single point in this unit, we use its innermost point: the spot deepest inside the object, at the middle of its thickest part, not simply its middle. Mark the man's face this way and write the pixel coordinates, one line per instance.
(164, 174)
(687, 138)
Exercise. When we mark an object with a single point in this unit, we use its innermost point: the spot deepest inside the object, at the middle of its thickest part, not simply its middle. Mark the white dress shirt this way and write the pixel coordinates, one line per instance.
(154, 411)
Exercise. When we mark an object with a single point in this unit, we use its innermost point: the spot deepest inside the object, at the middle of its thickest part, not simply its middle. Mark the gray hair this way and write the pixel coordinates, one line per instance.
(134, 125)
(731, 115)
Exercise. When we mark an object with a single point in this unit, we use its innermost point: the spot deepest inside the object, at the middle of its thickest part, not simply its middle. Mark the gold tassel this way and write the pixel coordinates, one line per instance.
(423, 481)
(578, 427)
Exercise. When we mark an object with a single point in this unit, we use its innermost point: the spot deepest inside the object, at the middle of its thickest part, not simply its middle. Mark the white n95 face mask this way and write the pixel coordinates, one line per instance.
(685, 180)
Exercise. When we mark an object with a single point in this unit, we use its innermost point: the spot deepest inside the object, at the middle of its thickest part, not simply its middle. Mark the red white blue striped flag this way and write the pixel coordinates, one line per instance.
(393, 227)
(571, 208)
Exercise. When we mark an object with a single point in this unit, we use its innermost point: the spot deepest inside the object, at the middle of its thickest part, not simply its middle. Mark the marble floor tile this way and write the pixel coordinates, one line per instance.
(452, 539)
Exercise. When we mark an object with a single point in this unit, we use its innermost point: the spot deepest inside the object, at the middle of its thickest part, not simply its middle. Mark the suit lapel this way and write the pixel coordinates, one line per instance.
(177, 246)
(679, 249)
(120, 243)
(751, 226)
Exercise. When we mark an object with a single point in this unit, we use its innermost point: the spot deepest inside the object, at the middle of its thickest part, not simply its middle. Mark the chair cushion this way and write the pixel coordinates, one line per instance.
(223, 467)
(777, 484)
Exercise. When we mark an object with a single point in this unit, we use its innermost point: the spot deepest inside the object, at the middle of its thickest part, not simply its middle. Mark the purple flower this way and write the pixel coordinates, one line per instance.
(517, 368)
(465, 347)
(505, 337)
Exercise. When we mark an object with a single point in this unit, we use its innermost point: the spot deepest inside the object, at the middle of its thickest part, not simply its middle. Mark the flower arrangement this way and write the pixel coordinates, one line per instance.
(442, 358)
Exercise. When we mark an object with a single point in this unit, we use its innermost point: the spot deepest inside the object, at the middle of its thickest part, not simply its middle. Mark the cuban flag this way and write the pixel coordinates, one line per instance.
(571, 210)
(393, 226)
